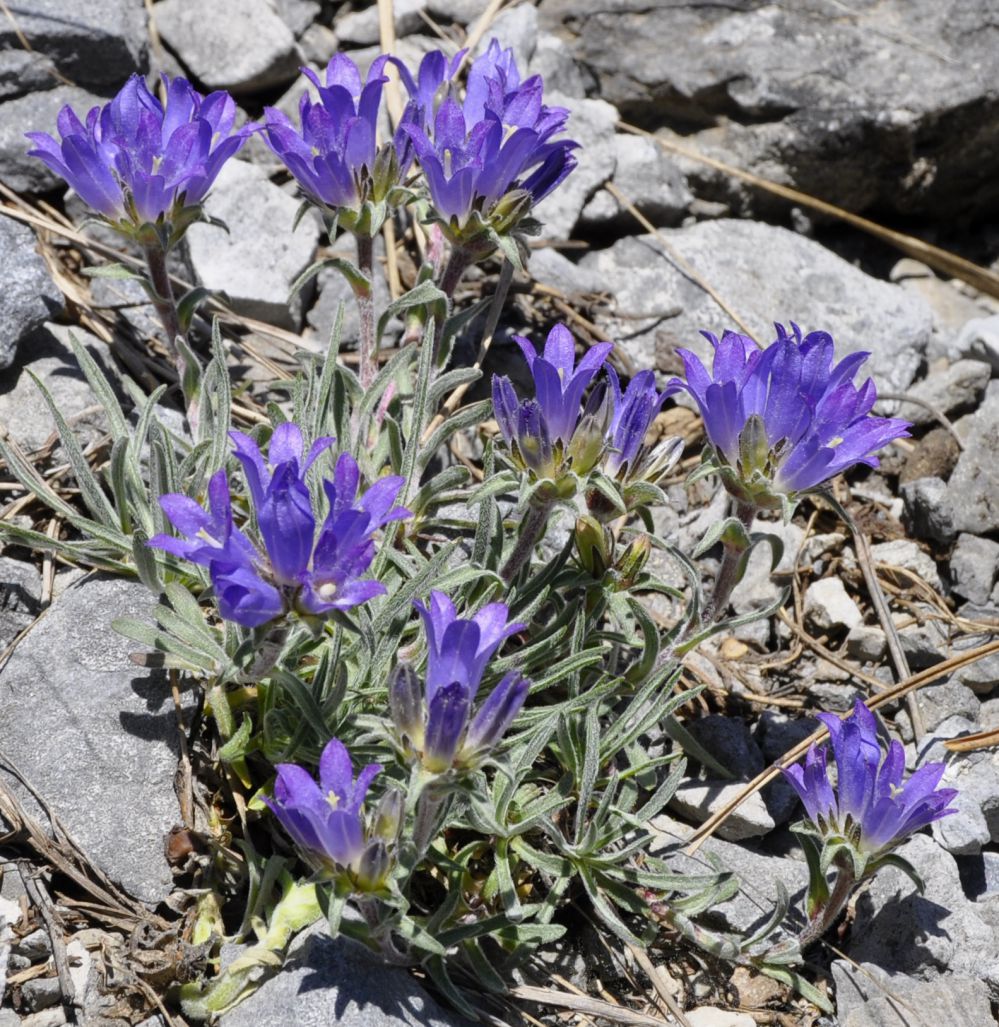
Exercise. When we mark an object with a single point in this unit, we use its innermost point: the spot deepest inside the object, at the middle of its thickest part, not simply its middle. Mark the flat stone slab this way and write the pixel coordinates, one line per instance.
(764, 274)
(95, 735)
(326, 981)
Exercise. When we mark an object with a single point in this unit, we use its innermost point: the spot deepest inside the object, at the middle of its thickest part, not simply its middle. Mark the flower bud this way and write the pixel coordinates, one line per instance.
(633, 560)
(388, 816)
(594, 545)
(406, 705)
(373, 867)
(495, 716)
(447, 718)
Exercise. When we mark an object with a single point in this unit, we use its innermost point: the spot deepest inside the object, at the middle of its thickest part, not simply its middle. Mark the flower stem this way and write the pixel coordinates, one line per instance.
(827, 915)
(365, 296)
(163, 299)
(531, 531)
(728, 572)
(456, 266)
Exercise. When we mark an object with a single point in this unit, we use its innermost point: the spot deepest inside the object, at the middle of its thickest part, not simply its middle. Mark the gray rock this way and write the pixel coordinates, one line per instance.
(974, 565)
(928, 510)
(925, 644)
(20, 595)
(23, 71)
(649, 179)
(829, 607)
(553, 61)
(698, 800)
(904, 553)
(462, 11)
(100, 746)
(976, 777)
(866, 643)
(98, 43)
(982, 676)
(869, 997)
(361, 27)
(41, 993)
(35, 112)
(979, 338)
(29, 296)
(517, 28)
(325, 981)
(35, 946)
(243, 47)
(949, 699)
(591, 124)
(957, 387)
(298, 15)
(800, 281)
(257, 261)
(972, 500)
(952, 307)
(712, 1016)
(923, 935)
(801, 95)
(23, 411)
(758, 873)
(730, 741)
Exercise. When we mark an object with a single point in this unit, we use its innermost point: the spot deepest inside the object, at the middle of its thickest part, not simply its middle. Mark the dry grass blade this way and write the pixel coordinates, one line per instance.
(481, 27)
(652, 972)
(900, 690)
(971, 743)
(675, 257)
(941, 260)
(585, 1005)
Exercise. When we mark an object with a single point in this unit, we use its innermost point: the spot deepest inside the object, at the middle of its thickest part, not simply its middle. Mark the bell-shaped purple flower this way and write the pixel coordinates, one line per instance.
(436, 724)
(334, 155)
(489, 159)
(345, 547)
(459, 648)
(291, 568)
(325, 819)
(785, 419)
(634, 411)
(551, 432)
(870, 806)
(281, 497)
(138, 161)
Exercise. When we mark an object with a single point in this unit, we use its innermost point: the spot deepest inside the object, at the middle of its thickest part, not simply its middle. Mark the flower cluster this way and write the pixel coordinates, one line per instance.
(546, 435)
(870, 810)
(785, 419)
(334, 156)
(489, 159)
(327, 823)
(295, 569)
(435, 723)
(139, 162)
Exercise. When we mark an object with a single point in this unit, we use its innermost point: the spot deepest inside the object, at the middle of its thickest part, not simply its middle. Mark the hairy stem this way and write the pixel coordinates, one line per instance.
(164, 301)
(368, 364)
(456, 266)
(826, 916)
(728, 572)
(531, 531)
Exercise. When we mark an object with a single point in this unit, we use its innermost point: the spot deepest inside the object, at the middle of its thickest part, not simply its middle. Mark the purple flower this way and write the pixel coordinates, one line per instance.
(345, 547)
(291, 568)
(634, 411)
(137, 161)
(334, 156)
(458, 649)
(325, 819)
(785, 419)
(441, 730)
(487, 160)
(869, 806)
(437, 722)
(543, 432)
